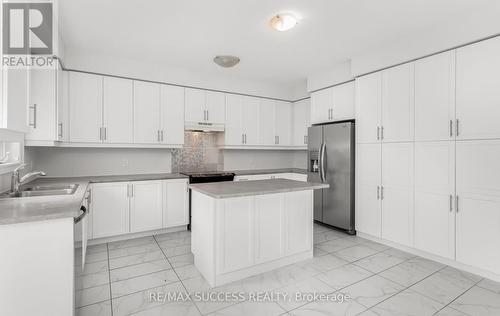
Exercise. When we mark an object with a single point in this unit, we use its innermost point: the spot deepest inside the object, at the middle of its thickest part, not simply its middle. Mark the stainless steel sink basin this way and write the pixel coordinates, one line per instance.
(45, 190)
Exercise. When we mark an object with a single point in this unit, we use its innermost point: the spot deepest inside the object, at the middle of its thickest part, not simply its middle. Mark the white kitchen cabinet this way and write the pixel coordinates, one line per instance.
(368, 182)
(478, 204)
(435, 97)
(63, 106)
(172, 115)
(397, 192)
(434, 197)
(321, 105)
(205, 106)
(85, 104)
(251, 123)
(398, 104)
(15, 101)
(118, 110)
(283, 121)
(478, 95)
(242, 120)
(146, 200)
(146, 112)
(175, 203)
(110, 209)
(298, 219)
(343, 102)
(267, 121)
(368, 108)
(235, 234)
(270, 231)
(301, 122)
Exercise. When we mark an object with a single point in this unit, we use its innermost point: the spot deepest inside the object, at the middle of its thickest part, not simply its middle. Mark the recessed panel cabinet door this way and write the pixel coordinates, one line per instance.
(435, 97)
(251, 120)
(298, 219)
(267, 121)
(321, 105)
(110, 209)
(368, 108)
(478, 204)
(146, 211)
(398, 104)
(283, 119)
(235, 234)
(216, 107)
(172, 114)
(195, 105)
(85, 107)
(434, 198)
(43, 96)
(233, 134)
(478, 93)
(368, 179)
(301, 121)
(343, 102)
(269, 226)
(146, 112)
(175, 204)
(397, 192)
(118, 110)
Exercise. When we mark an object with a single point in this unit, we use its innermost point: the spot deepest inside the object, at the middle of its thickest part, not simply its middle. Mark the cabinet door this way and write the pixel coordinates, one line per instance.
(269, 227)
(368, 108)
(15, 99)
(267, 122)
(434, 194)
(283, 123)
(216, 107)
(110, 208)
(478, 193)
(63, 106)
(118, 110)
(251, 120)
(301, 121)
(146, 112)
(175, 204)
(343, 102)
(397, 192)
(233, 134)
(298, 221)
(321, 104)
(195, 105)
(398, 104)
(172, 114)
(235, 234)
(85, 102)
(368, 179)
(44, 98)
(145, 206)
(478, 93)
(435, 97)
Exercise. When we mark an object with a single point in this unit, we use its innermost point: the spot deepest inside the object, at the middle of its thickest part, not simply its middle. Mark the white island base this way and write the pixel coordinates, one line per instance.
(237, 237)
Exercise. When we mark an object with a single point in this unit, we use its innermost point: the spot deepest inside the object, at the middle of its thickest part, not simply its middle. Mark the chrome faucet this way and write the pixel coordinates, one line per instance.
(17, 181)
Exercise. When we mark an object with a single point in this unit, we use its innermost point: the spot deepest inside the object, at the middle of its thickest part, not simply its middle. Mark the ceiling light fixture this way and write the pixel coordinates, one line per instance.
(226, 61)
(283, 22)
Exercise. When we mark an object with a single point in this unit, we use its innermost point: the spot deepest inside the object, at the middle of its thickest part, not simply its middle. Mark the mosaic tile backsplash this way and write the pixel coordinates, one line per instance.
(199, 153)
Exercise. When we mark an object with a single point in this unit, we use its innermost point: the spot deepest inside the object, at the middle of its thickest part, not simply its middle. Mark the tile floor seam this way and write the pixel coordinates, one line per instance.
(379, 274)
(109, 279)
(447, 305)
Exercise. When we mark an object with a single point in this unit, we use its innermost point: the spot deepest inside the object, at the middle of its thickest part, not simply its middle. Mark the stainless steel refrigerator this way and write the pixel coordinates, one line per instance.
(331, 160)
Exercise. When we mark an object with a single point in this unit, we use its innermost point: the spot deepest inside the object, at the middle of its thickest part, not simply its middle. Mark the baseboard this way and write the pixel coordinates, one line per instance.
(430, 256)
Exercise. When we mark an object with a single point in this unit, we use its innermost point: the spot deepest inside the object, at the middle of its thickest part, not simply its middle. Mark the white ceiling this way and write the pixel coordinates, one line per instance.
(189, 33)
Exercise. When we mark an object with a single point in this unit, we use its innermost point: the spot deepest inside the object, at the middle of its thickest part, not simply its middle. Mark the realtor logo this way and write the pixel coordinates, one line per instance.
(27, 28)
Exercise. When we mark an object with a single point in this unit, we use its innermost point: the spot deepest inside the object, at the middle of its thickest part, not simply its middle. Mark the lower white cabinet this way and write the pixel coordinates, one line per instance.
(129, 207)
(110, 209)
(145, 205)
(270, 233)
(298, 219)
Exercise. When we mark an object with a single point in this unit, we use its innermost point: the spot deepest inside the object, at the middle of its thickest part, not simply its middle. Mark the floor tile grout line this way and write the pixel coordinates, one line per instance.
(475, 284)
(109, 279)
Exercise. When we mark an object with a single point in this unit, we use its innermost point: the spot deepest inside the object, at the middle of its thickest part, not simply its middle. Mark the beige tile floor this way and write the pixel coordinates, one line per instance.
(120, 277)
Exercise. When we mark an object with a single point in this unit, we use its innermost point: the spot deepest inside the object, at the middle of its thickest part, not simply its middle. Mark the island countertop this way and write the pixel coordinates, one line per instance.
(222, 190)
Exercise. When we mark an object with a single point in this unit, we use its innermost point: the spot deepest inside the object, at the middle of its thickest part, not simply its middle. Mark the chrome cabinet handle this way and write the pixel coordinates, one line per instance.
(382, 133)
(381, 192)
(105, 133)
(100, 133)
(456, 126)
(242, 138)
(208, 115)
(162, 135)
(451, 202)
(456, 203)
(60, 134)
(278, 139)
(451, 128)
(378, 132)
(378, 192)
(245, 138)
(33, 107)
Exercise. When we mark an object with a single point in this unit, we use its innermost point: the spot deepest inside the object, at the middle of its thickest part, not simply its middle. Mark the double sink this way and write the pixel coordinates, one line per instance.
(42, 190)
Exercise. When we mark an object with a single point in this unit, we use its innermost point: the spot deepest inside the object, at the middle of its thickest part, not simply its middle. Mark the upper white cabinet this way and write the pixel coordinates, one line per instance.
(398, 104)
(478, 93)
(301, 122)
(172, 115)
(204, 106)
(118, 112)
(283, 123)
(146, 113)
(85, 103)
(333, 104)
(435, 97)
(368, 108)
(251, 125)
(242, 120)
(15, 99)
(267, 121)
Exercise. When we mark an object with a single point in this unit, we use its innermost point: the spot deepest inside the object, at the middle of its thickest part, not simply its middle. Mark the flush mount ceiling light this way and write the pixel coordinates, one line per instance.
(283, 22)
(226, 61)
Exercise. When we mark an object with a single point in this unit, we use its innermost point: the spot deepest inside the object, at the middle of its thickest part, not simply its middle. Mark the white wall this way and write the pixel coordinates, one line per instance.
(329, 77)
(258, 159)
(64, 162)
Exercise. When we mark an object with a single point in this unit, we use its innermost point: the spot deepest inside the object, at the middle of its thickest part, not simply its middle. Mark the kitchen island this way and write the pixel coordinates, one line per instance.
(240, 229)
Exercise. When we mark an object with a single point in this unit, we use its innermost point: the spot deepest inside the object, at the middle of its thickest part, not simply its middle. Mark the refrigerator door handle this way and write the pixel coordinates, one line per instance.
(322, 162)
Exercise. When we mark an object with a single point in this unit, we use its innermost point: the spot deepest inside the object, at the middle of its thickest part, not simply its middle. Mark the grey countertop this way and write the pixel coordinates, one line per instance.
(268, 171)
(120, 178)
(221, 190)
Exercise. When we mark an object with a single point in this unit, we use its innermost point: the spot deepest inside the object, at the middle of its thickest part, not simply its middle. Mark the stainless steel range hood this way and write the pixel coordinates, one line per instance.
(203, 127)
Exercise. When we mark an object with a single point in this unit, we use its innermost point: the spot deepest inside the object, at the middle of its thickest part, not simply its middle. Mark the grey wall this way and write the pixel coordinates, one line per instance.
(62, 162)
